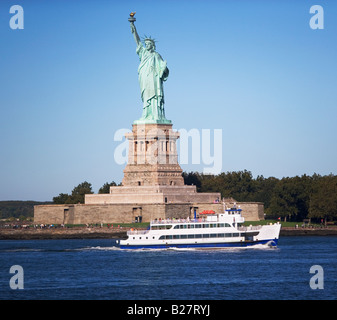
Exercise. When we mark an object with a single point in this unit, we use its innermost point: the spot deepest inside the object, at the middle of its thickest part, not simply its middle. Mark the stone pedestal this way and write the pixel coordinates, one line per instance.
(152, 194)
(152, 158)
(153, 187)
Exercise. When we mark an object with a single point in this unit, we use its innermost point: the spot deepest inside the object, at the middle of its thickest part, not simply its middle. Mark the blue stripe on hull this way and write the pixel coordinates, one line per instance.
(273, 242)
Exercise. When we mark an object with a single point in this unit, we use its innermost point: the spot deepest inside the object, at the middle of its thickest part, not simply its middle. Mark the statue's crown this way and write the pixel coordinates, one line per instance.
(146, 38)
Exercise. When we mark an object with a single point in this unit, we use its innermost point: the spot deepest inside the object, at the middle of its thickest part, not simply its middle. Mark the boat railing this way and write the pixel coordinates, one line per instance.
(131, 232)
(249, 228)
(173, 221)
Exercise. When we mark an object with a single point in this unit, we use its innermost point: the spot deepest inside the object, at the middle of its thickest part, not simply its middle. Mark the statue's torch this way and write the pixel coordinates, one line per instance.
(132, 18)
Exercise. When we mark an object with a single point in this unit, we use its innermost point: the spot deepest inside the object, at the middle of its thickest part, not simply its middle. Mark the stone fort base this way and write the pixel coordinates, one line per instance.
(126, 213)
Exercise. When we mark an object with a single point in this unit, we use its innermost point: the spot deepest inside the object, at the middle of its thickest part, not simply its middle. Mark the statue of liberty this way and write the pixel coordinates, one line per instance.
(152, 72)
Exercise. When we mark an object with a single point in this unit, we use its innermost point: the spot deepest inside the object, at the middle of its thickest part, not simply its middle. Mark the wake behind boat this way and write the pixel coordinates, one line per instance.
(209, 230)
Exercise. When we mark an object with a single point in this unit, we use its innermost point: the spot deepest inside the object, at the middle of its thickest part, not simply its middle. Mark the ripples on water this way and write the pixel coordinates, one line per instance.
(96, 269)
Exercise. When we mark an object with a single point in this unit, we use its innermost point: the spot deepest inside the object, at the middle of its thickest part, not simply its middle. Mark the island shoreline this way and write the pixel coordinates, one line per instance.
(121, 233)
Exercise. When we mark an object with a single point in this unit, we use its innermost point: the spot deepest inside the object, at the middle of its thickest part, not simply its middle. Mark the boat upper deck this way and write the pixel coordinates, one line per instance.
(207, 219)
(207, 216)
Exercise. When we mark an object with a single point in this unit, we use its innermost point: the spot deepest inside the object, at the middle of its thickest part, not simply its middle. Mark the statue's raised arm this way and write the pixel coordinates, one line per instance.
(132, 20)
(135, 33)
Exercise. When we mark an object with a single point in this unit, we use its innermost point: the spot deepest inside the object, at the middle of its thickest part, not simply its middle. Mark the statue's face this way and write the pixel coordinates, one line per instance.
(149, 45)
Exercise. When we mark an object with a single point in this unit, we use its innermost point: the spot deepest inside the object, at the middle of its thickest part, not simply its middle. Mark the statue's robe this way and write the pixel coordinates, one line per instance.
(152, 71)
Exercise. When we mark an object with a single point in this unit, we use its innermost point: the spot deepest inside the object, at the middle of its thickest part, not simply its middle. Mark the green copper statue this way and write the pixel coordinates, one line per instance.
(152, 72)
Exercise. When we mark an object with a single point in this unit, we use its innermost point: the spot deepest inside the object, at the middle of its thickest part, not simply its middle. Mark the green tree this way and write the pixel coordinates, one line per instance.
(77, 195)
(106, 187)
(239, 185)
(264, 190)
(61, 198)
(16, 209)
(192, 178)
(323, 200)
(290, 198)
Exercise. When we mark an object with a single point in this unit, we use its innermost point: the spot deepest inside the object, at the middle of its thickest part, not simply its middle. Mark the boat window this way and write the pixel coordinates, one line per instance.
(206, 225)
(198, 236)
(221, 225)
(177, 226)
(197, 226)
(162, 227)
(190, 226)
(227, 225)
(212, 225)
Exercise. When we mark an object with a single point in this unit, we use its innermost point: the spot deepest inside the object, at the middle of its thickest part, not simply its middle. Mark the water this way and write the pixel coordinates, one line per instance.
(95, 269)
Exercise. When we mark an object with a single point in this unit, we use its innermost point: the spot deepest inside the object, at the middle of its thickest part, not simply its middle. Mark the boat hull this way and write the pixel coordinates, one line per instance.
(240, 244)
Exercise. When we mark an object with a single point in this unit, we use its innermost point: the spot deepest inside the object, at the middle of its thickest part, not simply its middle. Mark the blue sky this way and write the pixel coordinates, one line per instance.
(255, 69)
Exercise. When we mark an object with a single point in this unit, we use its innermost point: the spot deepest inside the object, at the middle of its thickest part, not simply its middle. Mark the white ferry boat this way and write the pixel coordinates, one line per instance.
(209, 230)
